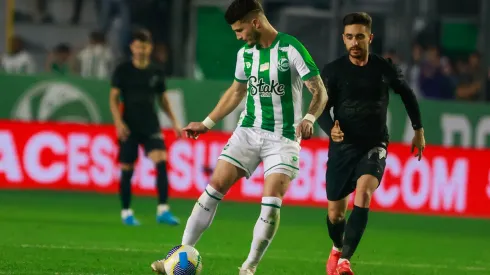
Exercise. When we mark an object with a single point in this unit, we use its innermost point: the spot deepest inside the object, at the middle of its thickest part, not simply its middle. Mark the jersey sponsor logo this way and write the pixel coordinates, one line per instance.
(58, 101)
(264, 67)
(263, 89)
(283, 65)
(380, 151)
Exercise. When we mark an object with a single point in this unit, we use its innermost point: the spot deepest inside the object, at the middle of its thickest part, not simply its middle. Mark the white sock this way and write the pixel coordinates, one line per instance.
(202, 215)
(264, 231)
(341, 260)
(126, 212)
(162, 208)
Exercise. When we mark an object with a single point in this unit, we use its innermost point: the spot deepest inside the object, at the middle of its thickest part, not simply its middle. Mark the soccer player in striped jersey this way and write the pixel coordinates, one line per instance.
(270, 71)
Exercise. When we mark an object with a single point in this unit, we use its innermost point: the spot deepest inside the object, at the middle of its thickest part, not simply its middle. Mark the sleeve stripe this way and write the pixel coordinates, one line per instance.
(241, 80)
(310, 75)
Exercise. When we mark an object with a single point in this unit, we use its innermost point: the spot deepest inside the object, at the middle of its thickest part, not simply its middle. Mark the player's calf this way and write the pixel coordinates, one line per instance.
(366, 185)
(336, 227)
(268, 222)
(127, 215)
(224, 176)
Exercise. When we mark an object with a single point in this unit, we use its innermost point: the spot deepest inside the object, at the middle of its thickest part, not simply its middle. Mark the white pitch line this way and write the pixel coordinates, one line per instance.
(223, 255)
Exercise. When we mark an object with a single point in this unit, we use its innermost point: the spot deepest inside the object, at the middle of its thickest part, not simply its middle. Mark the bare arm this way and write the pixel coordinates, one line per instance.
(319, 100)
(229, 101)
(167, 109)
(114, 105)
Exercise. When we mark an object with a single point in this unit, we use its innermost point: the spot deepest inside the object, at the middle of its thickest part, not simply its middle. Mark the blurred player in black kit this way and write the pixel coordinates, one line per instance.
(139, 85)
(358, 86)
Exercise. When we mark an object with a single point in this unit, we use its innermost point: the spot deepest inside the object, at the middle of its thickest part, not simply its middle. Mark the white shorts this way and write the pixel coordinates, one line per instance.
(247, 147)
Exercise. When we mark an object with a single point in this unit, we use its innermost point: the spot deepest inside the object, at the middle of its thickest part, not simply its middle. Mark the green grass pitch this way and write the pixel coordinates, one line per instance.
(80, 233)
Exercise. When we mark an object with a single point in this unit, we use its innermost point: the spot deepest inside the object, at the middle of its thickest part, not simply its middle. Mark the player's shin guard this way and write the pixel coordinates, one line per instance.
(353, 232)
(202, 215)
(336, 232)
(125, 188)
(162, 183)
(264, 231)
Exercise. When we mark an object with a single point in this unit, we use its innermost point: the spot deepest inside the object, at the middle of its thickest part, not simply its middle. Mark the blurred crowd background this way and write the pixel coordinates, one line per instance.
(439, 44)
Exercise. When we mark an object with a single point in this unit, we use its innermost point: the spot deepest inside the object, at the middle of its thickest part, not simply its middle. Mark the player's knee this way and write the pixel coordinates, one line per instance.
(336, 216)
(366, 186)
(363, 198)
(127, 166)
(220, 184)
(276, 184)
(157, 156)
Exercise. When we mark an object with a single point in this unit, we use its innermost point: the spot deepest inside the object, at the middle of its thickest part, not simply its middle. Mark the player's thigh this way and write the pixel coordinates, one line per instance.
(369, 173)
(280, 156)
(281, 165)
(243, 150)
(225, 175)
(340, 175)
(337, 209)
(370, 167)
(128, 151)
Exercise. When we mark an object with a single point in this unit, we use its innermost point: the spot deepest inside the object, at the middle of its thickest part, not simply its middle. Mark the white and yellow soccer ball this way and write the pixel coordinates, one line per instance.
(183, 260)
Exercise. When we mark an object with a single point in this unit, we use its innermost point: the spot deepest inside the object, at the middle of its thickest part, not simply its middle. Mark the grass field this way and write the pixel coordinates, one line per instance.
(75, 233)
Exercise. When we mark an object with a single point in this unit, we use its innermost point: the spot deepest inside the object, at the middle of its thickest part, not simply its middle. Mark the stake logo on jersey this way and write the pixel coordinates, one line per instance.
(264, 89)
(274, 78)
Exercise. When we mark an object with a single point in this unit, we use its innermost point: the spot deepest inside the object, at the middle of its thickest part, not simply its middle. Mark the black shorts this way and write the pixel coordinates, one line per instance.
(128, 149)
(347, 163)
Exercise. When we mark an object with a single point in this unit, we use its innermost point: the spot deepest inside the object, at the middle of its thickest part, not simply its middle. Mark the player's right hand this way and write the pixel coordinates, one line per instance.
(122, 131)
(336, 134)
(194, 129)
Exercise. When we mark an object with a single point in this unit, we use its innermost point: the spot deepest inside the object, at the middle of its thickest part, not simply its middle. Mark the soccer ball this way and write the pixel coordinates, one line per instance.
(183, 260)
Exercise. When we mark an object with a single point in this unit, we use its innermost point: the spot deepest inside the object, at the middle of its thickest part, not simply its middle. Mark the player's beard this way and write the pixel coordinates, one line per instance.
(142, 57)
(254, 38)
(357, 52)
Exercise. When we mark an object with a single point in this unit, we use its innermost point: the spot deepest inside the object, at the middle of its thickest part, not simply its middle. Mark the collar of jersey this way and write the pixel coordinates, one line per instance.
(273, 43)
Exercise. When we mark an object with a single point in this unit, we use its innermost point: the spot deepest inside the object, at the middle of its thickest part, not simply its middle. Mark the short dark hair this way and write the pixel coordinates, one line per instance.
(142, 35)
(358, 18)
(239, 9)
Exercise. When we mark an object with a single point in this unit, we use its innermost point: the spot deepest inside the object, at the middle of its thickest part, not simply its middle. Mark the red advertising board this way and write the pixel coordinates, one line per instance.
(447, 181)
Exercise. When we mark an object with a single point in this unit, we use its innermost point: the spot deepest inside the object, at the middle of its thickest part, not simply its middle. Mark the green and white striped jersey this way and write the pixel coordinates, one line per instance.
(274, 77)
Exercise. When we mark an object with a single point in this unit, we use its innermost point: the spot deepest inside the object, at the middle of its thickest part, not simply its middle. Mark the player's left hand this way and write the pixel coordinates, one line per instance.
(305, 129)
(418, 142)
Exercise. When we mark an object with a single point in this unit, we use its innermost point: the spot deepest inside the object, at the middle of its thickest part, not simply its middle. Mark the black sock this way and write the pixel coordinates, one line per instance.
(162, 182)
(336, 232)
(125, 188)
(353, 232)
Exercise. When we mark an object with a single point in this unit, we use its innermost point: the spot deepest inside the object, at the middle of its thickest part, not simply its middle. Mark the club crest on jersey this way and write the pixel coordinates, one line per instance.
(248, 65)
(153, 81)
(283, 65)
(264, 89)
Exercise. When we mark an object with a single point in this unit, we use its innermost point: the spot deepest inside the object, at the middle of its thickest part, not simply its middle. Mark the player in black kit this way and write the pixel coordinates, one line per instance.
(137, 85)
(358, 89)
